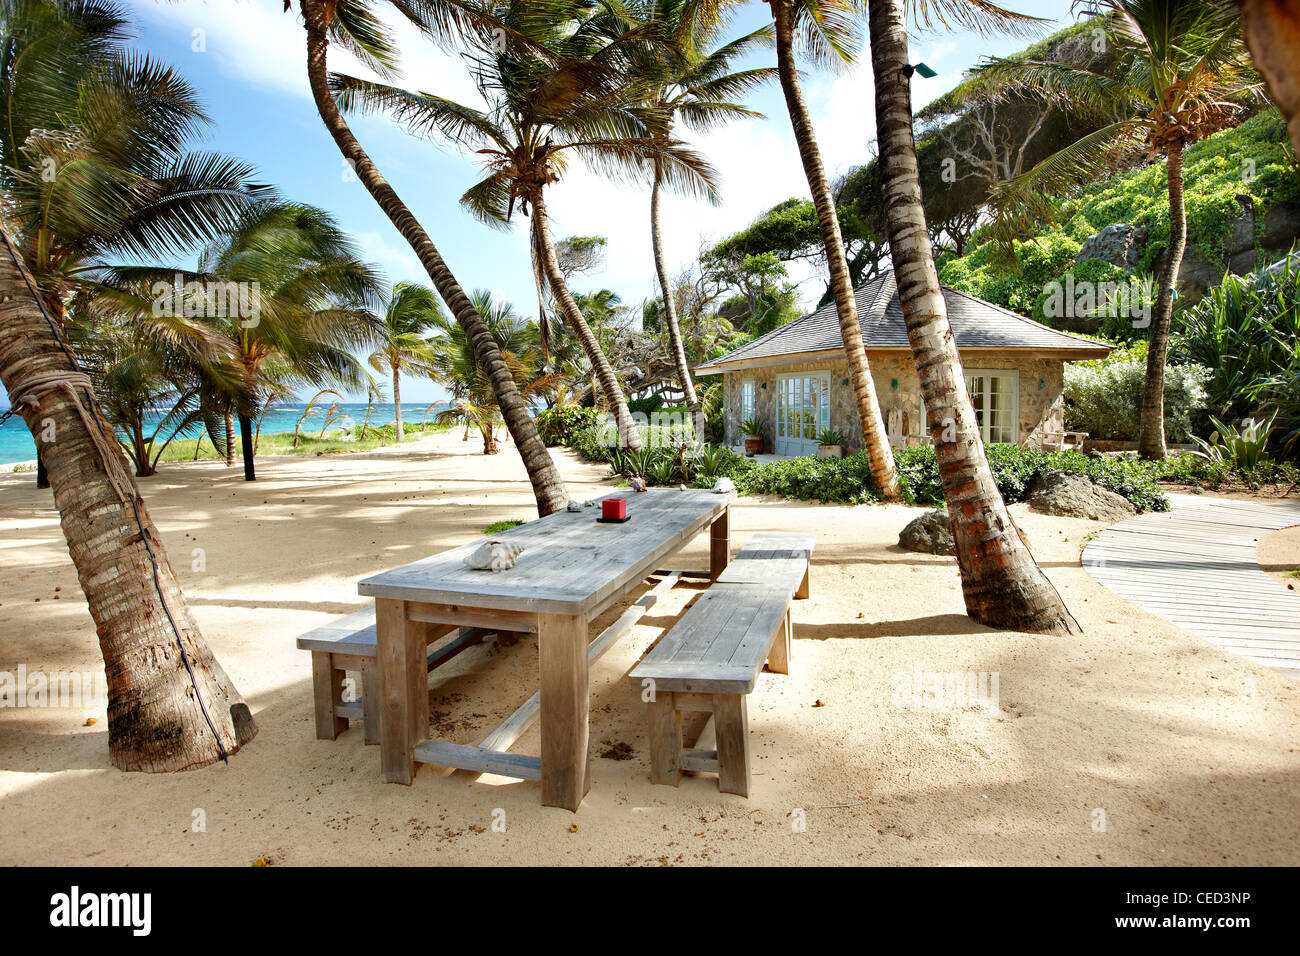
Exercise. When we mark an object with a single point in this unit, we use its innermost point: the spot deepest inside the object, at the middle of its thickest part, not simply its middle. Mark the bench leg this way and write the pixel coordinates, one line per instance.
(778, 658)
(804, 589)
(327, 691)
(370, 700)
(731, 723)
(665, 741)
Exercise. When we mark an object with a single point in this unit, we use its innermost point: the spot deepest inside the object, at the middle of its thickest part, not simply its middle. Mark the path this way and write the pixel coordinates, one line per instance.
(1195, 566)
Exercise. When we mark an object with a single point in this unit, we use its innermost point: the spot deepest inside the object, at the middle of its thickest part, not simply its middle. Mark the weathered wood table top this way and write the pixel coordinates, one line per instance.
(571, 563)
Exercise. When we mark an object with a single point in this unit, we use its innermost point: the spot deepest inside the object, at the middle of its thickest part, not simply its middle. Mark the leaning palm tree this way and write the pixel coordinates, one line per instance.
(695, 82)
(353, 25)
(829, 33)
(409, 314)
(1001, 583)
(1183, 71)
(570, 88)
(456, 366)
(92, 164)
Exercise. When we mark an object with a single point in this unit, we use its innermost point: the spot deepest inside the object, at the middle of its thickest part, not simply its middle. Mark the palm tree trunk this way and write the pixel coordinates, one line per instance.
(677, 351)
(628, 433)
(548, 488)
(246, 446)
(1001, 583)
(1151, 436)
(170, 705)
(397, 402)
(230, 440)
(875, 439)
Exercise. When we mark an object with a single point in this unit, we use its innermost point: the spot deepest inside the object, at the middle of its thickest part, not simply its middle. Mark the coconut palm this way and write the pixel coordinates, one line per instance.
(570, 87)
(92, 166)
(1001, 583)
(829, 33)
(354, 25)
(694, 82)
(1183, 73)
(305, 302)
(456, 365)
(409, 314)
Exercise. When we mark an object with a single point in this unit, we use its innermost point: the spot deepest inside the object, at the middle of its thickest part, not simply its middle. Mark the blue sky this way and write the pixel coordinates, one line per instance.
(246, 58)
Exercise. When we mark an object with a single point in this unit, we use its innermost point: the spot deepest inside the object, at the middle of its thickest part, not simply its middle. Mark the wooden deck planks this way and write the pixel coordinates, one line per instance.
(1195, 566)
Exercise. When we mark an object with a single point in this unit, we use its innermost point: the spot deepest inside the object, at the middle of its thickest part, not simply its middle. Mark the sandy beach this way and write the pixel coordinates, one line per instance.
(1134, 743)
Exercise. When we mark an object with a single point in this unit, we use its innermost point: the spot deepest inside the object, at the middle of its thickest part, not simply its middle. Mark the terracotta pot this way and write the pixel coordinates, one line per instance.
(753, 444)
(830, 451)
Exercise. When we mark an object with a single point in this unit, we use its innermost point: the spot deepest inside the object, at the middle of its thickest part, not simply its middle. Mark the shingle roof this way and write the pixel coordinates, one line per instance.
(975, 324)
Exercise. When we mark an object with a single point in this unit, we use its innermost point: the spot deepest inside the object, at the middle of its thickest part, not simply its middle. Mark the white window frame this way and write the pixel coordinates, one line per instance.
(1013, 377)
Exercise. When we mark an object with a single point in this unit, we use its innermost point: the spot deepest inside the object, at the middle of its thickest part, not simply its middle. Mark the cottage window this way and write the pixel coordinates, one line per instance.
(748, 397)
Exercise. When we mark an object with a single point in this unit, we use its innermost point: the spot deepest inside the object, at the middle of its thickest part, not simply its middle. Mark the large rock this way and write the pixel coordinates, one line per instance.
(1281, 226)
(1063, 493)
(931, 533)
(1119, 244)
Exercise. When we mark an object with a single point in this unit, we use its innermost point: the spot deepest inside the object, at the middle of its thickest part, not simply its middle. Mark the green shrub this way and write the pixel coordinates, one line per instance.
(651, 403)
(828, 480)
(557, 426)
(1104, 397)
(1015, 468)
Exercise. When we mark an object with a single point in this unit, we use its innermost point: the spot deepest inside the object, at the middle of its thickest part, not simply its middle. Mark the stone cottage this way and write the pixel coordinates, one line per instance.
(795, 379)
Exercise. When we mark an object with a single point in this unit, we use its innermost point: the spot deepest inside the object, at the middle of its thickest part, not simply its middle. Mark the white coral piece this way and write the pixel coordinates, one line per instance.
(494, 556)
(574, 504)
(724, 486)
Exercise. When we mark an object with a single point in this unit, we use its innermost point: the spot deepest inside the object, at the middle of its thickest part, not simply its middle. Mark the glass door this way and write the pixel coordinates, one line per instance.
(803, 409)
(996, 397)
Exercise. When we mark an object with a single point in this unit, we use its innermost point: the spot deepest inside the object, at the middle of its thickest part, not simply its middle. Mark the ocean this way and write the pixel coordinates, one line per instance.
(16, 441)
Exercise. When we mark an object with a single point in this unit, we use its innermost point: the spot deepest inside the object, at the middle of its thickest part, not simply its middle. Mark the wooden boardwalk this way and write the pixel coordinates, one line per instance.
(1195, 566)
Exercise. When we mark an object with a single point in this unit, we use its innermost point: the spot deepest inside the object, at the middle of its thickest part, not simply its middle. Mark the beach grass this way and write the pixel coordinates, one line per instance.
(281, 443)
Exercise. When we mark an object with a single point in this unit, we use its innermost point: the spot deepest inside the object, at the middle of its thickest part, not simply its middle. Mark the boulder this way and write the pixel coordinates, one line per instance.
(1281, 226)
(1197, 275)
(1119, 244)
(931, 533)
(1074, 496)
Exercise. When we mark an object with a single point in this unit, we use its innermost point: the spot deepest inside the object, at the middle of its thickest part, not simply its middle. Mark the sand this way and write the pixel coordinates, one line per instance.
(1134, 743)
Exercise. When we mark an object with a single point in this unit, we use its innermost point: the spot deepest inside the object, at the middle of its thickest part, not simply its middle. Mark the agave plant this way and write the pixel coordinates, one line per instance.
(1243, 447)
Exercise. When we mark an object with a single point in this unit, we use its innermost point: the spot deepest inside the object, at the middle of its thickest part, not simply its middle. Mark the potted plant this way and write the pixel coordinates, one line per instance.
(753, 430)
(830, 444)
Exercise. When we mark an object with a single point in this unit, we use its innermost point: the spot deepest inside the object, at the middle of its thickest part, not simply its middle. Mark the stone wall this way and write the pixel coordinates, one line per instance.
(898, 390)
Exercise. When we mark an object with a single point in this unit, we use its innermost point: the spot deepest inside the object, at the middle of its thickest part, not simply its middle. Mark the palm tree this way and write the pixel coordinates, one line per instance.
(699, 87)
(92, 164)
(353, 25)
(410, 313)
(456, 365)
(305, 302)
(570, 87)
(1001, 583)
(829, 32)
(1183, 69)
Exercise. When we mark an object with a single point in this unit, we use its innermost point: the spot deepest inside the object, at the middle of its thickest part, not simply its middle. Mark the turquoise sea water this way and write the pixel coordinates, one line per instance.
(16, 441)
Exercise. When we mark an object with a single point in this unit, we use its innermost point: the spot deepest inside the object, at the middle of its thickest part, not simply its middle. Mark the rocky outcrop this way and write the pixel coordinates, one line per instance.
(931, 533)
(1120, 244)
(1074, 496)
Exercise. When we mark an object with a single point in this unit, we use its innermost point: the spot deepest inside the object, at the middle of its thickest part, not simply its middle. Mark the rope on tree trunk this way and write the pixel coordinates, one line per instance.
(28, 393)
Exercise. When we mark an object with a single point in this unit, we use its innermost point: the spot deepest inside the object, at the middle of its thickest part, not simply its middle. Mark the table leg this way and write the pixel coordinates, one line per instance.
(403, 688)
(720, 543)
(562, 651)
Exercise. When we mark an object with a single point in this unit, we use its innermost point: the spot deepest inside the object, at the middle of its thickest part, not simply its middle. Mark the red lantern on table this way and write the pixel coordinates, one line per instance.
(614, 509)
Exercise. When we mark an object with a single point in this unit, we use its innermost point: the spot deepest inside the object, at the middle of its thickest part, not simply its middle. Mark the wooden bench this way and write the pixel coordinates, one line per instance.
(348, 643)
(710, 660)
(1064, 441)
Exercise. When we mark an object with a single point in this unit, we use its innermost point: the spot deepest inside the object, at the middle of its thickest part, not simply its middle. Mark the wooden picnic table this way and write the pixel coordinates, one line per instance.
(571, 569)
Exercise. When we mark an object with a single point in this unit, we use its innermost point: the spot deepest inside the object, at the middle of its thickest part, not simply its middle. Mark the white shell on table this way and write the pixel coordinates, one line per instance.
(574, 505)
(589, 503)
(638, 484)
(494, 556)
(724, 486)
